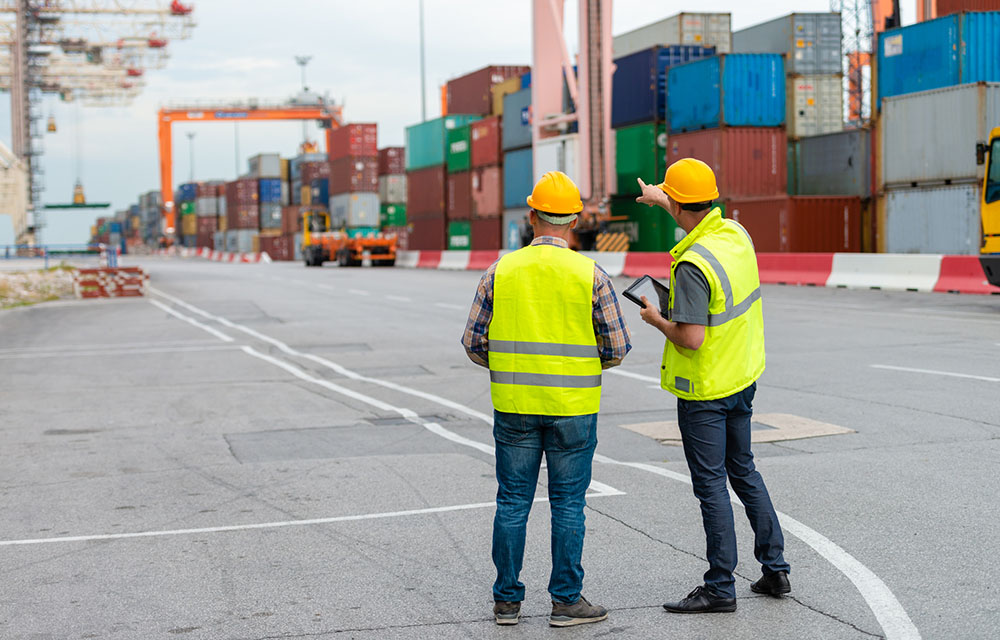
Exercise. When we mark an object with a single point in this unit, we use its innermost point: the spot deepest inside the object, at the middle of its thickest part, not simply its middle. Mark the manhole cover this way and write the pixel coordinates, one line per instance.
(765, 427)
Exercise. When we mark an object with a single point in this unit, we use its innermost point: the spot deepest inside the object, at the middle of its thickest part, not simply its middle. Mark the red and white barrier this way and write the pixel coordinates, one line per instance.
(891, 272)
(215, 256)
(110, 282)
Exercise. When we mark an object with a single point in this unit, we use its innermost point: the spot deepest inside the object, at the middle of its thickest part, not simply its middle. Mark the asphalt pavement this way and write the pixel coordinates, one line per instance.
(271, 451)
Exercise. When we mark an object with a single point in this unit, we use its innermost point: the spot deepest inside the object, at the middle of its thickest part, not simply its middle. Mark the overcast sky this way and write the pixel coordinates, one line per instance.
(365, 54)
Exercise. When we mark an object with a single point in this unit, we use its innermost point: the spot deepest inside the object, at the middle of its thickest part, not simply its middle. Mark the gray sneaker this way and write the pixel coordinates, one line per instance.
(507, 612)
(581, 612)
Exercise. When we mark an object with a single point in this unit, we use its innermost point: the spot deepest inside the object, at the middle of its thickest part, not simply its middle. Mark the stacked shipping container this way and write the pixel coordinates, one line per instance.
(354, 203)
(518, 165)
(392, 194)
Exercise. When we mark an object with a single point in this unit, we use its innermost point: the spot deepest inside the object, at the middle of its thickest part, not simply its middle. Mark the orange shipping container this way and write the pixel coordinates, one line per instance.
(800, 224)
(487, 192)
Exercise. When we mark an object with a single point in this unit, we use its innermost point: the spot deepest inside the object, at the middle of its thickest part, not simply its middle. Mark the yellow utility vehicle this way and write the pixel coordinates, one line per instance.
(348, 248)
(989, 255)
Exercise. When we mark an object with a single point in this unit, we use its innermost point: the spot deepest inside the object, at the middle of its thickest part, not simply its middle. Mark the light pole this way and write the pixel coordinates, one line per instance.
(190, 135)
(423, 91)
(302, 61)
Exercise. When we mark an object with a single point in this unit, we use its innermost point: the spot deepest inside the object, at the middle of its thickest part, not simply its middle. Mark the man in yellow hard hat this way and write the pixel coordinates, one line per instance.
(713, 355)
(546, 322)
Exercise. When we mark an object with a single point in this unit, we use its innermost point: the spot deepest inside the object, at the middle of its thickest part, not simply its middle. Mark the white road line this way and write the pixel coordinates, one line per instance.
(50, 348)
(446, 305)
(635, 376)
(217, 334)
(359, 292)
(399, 298)
(267, 525)
(114, 352)
(948, 374)
(887, 610)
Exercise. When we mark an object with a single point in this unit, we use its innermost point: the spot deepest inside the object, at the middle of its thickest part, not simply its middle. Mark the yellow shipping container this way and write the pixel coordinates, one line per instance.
(510, 85)
(255, 243)
(189, 225)
(285, 169)
(223, 223)
(306, 195)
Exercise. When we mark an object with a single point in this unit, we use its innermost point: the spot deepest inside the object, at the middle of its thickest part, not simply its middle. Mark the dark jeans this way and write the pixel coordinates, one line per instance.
(568, 443)
(716, 435)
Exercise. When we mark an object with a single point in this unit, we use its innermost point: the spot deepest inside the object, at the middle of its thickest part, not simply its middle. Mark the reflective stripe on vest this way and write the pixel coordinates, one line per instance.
(543, 353)
(732, 311)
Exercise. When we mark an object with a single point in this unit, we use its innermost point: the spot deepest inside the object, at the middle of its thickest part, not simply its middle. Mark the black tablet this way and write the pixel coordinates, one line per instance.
(652, 289)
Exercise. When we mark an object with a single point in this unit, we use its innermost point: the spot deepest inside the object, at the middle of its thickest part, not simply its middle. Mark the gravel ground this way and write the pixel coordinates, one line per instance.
(29, 287)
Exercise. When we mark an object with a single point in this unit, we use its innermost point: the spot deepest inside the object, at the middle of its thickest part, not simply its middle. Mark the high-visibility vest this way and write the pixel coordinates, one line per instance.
(732, 356)
(542, 349)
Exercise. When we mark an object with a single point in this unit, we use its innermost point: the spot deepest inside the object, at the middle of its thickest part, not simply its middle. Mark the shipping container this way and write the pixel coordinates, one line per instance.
(510, 85)
(485, 141)
(186, 192)
(240, 240)
(187, 208)
(297, 246)
(426, 192)
(931, 136)
(426, 143)
(309, 171)
(800, 224)
(640, 82)
(703, 29)
(392, 188)
(941, 219)
(487, 192)
(392, 215)
(831, 164)
(515, 229)
(471, 93)
(269, 190)
(358, 140)
(270, 215)
(189, 224)
(391, 161)
(319, 191)
(242, 210)
(748, 161)
(207, 205)
(948, 7)
(291, 219)
(296, 164)
(354, 210)
(648, 228)
(737, 90)
(459, 235)
(641, 152)
(459, 149)
(956, 49)
(516, 129)
(815, 105)
(265, 165)
(428, 233)
(810, 42)
(402, 235)
(219, 240)
(354, 174)
(518, 177)
(459, 203)
(556, 154)
(486, 235)
(278, 247)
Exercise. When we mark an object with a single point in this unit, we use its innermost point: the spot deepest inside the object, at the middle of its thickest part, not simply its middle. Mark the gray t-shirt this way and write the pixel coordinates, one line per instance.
(691, 295)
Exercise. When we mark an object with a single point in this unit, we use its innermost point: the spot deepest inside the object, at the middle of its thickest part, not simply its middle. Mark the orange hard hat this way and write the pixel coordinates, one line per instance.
(555, 193)
(689, 180)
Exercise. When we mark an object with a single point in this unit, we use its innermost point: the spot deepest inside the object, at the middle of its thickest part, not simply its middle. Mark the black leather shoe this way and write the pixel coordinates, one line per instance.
(701, 601)
(772, 584)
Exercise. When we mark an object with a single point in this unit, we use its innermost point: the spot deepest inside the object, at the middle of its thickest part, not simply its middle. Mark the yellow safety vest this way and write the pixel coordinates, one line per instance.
(732, 355)
(542, 348)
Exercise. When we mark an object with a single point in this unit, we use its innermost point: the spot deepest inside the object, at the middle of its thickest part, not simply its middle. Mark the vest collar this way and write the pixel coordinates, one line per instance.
(552, 240)
(709, 223)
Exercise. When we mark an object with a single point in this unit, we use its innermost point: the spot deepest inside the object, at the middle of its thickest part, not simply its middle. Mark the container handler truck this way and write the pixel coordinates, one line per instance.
(321, 244)
(989, 254)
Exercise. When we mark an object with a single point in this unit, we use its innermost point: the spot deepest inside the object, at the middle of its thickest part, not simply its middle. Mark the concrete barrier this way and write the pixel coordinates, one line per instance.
(811, 269)
(963, 274)
(888, 271)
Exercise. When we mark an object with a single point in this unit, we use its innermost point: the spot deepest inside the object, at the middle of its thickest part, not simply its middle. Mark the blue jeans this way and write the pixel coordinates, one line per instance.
(568, 443)
(716, 436)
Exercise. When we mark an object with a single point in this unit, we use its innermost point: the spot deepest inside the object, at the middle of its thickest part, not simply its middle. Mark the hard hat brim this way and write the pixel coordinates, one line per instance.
(546, 208)
(687, 199)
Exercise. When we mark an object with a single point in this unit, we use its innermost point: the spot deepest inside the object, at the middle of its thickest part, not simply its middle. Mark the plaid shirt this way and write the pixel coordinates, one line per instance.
(613, 339)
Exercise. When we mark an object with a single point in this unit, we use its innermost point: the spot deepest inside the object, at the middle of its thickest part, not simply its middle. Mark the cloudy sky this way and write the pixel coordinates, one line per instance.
(365, 54)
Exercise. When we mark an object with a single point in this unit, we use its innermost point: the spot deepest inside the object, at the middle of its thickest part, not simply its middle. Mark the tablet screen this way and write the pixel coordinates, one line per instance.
(652, 290)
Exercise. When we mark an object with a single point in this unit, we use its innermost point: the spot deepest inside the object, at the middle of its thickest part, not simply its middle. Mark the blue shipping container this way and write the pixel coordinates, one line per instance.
(269, 190)
(186, 192)
(426, 143)
(526, 80)
(320, 190)
(736, 90)
(956, 49)
(518, 177)
(640, 82)
(516, 129)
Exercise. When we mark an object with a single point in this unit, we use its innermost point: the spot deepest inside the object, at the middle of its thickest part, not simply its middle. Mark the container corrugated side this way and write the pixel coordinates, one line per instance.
(832, 164)
(639, 82)
(739, 90)
(811, 42)
(800, 224)
(556, 154)
(515, 228)
(640, 152)
(486, 234)
(919, 57)
(354, 210)
(518, 177)
(933, 220)
(917, 147)
(459, 149)
(947, 7)
(516, 127)
(426, 191)
(748, 161)
(459, 235)
(392, 188)
(487, 192)
(357, 139)
(815, 105)
(426, 143)
(981, 47)
(485, 141)
(471, 93)
(703, 29)
(459, 203)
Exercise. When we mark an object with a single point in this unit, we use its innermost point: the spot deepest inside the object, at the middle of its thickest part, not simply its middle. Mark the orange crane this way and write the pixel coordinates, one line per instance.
(329, 116)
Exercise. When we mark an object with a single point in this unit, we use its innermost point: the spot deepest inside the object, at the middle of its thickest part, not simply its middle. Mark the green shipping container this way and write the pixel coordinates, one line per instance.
(648, 228)
(427, 142)
(187, 208)
(392, 215)
(459, 149)
(641, 153)
(459, 235)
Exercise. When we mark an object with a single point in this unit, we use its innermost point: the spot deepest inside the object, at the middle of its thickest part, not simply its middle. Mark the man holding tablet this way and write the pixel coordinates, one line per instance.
(711, 361)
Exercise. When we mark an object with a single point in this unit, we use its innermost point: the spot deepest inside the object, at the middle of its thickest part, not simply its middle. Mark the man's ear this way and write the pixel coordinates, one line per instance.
(572, 225)
(532, 217)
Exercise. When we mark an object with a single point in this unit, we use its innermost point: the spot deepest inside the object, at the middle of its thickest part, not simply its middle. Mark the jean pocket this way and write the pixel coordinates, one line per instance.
(574, 432)
(511, 428)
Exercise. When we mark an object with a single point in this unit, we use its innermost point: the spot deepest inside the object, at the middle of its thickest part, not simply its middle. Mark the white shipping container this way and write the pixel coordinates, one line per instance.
(265, 165)
(514, 221)
(240, 240)
(931, 136)
(219, 240)
(702, 29)
(933, 220)
(815, 105)
(207, 206)
(392, 188)
(556, 154)
(354, 210)
(811, 42)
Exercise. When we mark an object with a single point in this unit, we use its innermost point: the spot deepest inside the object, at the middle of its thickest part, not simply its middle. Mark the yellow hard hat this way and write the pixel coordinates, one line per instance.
(689, 180)
(555, 193)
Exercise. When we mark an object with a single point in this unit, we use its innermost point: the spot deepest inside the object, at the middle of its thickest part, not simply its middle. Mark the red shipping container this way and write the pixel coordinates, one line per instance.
(427, 233)
(204, 190)
(244, 216)
(748, 161)
(459, 195)
(947, 7)
(486, 234)
(354, 140)
(391, 161)
(471, 93)
(426, 192)
(485, 138)
(354, 174)
(310, 171)
(207, 225)
(242, 211)
(487, 192)
(402, 236)
(291, 218)
(278, 247)
(800, 224)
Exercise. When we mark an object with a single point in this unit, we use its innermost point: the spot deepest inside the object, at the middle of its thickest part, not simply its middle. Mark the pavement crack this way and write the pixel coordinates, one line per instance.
(833, 617)
(643, 533)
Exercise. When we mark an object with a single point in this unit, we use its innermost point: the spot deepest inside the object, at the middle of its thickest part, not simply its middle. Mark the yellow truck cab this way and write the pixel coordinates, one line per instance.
(990, 210)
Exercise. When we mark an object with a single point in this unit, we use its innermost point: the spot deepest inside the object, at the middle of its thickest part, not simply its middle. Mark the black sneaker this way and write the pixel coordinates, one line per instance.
(580, 612)
(507, 612)
(701, 600)
(772, 584)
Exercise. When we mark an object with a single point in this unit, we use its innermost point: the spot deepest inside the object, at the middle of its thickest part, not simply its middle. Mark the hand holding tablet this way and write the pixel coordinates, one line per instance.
(654, 291)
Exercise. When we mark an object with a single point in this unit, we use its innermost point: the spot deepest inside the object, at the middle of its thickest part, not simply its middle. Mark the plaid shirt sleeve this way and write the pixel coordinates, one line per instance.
(613, 337)
(475, 340)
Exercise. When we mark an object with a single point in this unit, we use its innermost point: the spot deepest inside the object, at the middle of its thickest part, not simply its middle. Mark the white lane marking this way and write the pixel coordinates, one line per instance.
(192, 321)
(268, 525)
(359, 292)
(634, 376)
(887, 609)
(399, 298)
(114, 352)
(118, 345)
(936, 373)
(447, 305)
